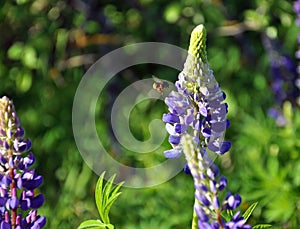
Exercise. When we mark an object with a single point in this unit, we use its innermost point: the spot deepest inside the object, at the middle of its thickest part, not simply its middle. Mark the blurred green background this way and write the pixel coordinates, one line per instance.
(46, 47)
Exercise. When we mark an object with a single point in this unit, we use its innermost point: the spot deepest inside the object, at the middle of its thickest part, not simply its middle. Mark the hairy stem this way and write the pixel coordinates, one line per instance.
(12, 187)
(195, 219)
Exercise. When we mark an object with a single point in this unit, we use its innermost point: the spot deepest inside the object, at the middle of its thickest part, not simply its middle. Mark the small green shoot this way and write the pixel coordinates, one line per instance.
(105, 195)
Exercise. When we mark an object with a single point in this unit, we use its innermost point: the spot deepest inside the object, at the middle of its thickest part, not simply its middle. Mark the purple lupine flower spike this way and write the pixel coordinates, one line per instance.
(17, 180)
(197, 123)
(283, 81)
(198, 103)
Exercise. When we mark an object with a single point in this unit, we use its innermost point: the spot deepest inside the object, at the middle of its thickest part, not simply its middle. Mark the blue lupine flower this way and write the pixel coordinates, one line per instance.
(285, 82)
(16, 174)
(196, 123)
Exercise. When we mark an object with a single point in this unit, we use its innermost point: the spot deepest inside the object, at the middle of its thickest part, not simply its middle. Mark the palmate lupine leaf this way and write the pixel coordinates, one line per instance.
(249, 211)
(105, 196)
(262, 226)
(227, 215)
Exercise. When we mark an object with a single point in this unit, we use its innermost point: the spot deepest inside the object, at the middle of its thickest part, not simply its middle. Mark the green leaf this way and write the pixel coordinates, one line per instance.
(94, 224)
(249, 211)
(227, 215)
(261, 226)
(106, 196)
(98, 194)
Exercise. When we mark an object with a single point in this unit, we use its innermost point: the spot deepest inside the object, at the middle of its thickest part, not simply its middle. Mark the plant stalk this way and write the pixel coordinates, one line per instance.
(195, 219)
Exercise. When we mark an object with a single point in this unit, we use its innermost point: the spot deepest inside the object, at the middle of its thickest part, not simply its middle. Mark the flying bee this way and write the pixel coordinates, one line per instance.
(159, 85)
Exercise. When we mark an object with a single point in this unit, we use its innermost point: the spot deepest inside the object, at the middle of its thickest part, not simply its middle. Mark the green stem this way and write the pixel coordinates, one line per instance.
(195, 219)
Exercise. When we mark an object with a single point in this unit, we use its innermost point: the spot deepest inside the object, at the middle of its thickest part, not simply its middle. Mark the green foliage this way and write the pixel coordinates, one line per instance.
(105, 196)
(272, 178)
(262, 226)
(95, 224)
(40, 38)
(157, 206)
(249, 211)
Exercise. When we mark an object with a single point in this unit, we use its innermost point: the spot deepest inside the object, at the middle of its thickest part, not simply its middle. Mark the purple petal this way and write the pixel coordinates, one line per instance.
(197, 125)
(170, 118)
(40, 222)
(222, 183)
(5, 225)
(219, 126)
(25, 204)
(37, 201)
(13, 202)
(19, 133)
(180, 128)
(206, 132)
(216, 202)
(203, 200)
(202, 109)
(32, 184)
(2, 201)
(189, 119)
(173, 153)
(201, 214)
(225, 147)
(186, 169)
(175, 140)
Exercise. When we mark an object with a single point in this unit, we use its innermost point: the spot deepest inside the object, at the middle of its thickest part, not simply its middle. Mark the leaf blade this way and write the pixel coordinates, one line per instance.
(94, 224)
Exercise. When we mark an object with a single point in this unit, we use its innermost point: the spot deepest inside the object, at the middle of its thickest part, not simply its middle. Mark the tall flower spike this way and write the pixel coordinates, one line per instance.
(196, 123)
(284, 79)
(18, 201)
(197, 107)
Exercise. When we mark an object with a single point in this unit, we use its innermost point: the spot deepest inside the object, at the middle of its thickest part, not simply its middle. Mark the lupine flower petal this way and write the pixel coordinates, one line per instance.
(203, 200)
(233, 201)
(32, 183)
(174, 139)
(37, 201)
(201, 214)
(186, 169)
(5, 225)
(170, 118)
(13, 202)
(180, 128)
(173, 153)
(41, 221)
(170, 129)
(25, 204)
(222, 183)
(225, 147)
